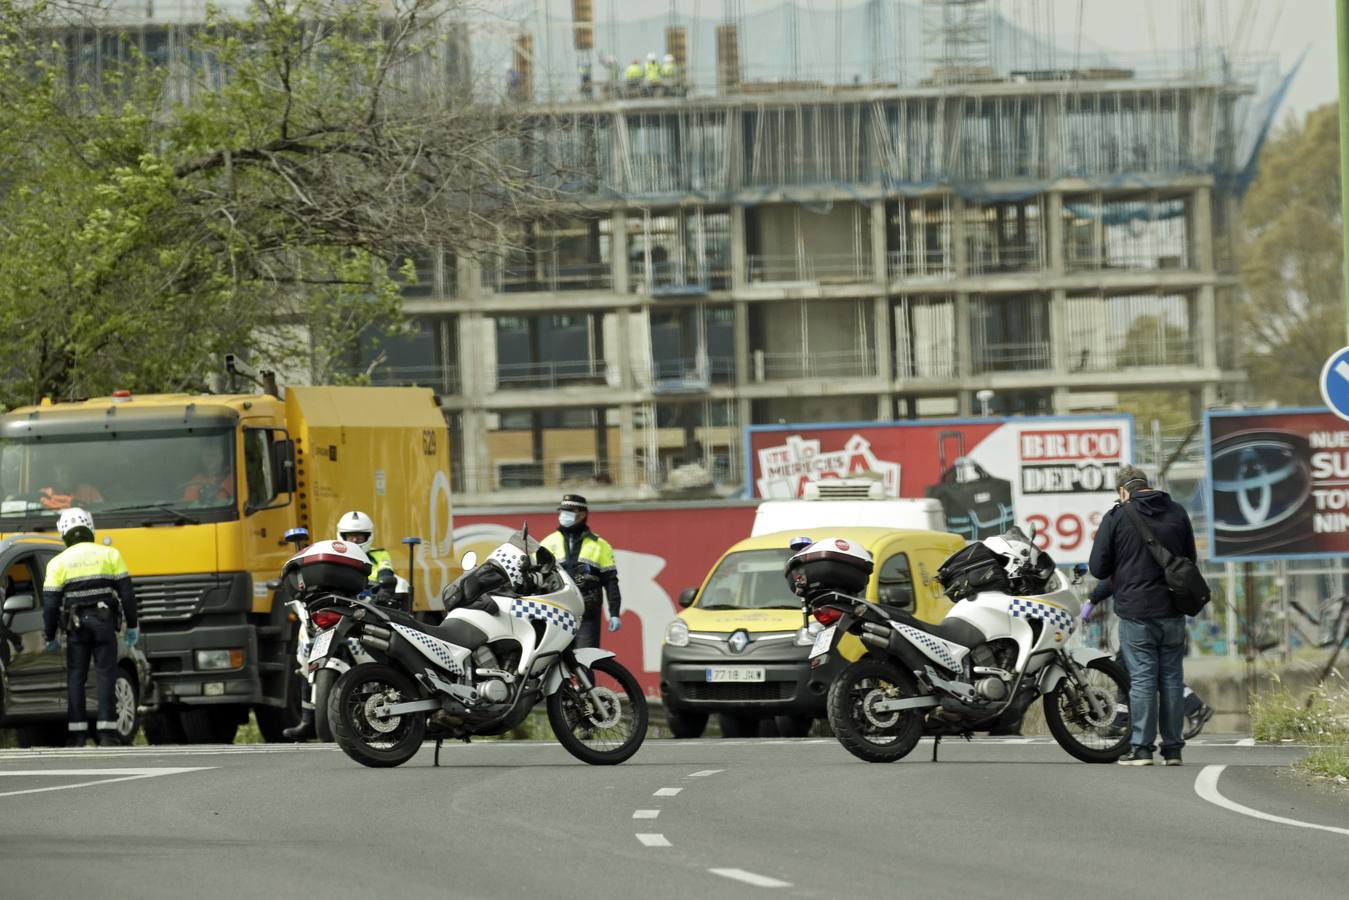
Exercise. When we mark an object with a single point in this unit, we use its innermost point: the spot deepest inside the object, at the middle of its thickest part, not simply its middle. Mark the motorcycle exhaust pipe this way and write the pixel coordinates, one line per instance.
(378, 631)
(889, 640)
(377, 643)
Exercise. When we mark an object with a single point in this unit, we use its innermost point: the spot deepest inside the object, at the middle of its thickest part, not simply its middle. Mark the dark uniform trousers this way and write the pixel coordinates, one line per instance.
(588, 634)
(93, 639)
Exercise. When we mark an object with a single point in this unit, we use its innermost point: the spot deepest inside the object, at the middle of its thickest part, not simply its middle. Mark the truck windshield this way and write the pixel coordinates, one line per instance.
(750, 579)
(157, 475)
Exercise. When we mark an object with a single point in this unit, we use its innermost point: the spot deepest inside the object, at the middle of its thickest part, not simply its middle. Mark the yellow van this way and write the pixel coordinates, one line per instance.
(739, 647)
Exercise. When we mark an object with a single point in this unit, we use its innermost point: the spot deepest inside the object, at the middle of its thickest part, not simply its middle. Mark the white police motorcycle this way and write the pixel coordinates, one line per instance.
(480, 672)
(1002, 646)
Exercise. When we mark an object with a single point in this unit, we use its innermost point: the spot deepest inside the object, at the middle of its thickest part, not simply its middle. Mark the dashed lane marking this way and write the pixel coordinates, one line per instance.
(645, 813)
(111, 776)
(1245, 742)
(750, 878)
(653, 840)
(706, 772)
(667, 792)
(1206, 786)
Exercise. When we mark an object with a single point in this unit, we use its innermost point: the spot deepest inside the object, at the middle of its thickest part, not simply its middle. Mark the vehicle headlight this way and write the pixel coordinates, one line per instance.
(677, 633)
(804, 637)
(220, 659)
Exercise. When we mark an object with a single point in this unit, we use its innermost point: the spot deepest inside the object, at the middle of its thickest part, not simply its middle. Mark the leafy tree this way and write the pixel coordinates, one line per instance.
(1292, 261)
(161, 215)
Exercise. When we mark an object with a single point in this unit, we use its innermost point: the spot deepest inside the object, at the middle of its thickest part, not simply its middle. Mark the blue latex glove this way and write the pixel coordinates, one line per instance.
(133, 636)
(615, 623)
(1086, 610)
(52, 647)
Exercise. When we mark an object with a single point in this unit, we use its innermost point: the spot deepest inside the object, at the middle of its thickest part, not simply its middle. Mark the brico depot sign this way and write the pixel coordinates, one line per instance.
(1278, 484)
(1057, 473)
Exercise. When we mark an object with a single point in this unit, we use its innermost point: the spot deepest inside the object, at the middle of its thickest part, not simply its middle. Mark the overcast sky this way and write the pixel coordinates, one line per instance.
(1284, 28)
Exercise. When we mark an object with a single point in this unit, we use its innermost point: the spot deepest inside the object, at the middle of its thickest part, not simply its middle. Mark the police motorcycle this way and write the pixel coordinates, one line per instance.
(395, 591)
(504, 647)
(1000, 647)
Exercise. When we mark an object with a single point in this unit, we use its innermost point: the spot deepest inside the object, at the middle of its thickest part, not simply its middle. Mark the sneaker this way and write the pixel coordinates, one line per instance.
(1172, 759)
(1136, 757)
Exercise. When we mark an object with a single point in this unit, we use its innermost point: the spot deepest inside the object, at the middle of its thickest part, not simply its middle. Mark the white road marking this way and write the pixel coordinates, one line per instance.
(645, 813)
(1206, 786)
(667, 792)
(1245, 742)
(126, 775)
(653, 840)
(750, 878)
(706, 772)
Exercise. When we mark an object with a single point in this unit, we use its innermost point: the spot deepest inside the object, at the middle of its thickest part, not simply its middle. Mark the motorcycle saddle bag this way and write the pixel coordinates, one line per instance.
(970, 570)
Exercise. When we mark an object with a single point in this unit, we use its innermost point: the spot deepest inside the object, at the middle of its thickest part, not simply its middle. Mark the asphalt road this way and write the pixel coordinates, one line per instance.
(705, 819)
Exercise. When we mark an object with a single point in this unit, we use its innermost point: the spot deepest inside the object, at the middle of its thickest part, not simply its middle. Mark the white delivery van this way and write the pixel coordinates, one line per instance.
(847, 502)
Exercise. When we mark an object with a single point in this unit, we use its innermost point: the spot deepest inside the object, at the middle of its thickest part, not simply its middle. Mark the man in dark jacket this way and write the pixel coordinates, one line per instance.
(1151, 629)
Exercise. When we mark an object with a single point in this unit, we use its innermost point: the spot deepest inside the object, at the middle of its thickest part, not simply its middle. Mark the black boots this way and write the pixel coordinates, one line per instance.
(304, 731)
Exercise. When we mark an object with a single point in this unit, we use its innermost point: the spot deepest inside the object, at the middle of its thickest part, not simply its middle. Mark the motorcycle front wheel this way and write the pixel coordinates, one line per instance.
(367, 738)
(605, 725)
(864, 732)
(324, 680)
(1090, 738)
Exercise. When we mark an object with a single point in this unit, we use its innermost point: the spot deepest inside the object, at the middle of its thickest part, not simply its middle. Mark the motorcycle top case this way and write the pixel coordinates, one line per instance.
(972, 569)
(976, 504)
(336, 566)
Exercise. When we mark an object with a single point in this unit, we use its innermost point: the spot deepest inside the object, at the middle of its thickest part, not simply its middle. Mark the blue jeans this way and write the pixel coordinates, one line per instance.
(1154, 654)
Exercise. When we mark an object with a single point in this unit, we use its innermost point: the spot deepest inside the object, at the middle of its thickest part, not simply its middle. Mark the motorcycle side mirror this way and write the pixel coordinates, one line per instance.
(469, 560)
(1032, 532)
(687, 596)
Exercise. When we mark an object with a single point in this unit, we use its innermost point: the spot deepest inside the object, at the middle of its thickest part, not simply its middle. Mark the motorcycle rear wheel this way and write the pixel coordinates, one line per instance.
(888, 737)
(1068, 721)
(378, 743)
(606, 736)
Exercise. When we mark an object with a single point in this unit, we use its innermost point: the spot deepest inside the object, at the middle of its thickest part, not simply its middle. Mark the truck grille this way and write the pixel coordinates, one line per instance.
(171, 599)
(768, 690)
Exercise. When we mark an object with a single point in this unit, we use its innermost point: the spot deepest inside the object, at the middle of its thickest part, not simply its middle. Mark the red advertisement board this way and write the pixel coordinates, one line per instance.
(1278, 484)
(659, 552)
(1056, 473)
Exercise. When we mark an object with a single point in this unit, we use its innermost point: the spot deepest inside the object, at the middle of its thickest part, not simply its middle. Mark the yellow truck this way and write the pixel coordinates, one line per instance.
(198, 491)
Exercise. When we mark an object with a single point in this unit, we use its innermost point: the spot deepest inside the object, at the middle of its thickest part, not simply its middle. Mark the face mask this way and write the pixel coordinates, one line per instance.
(566, 518)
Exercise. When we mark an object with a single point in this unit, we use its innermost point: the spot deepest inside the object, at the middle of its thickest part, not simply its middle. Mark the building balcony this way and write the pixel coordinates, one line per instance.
(671, 279)
(549, 276)
(670, 376)
(908, 265)
(797, 365)
(842, 268)
(552, 374)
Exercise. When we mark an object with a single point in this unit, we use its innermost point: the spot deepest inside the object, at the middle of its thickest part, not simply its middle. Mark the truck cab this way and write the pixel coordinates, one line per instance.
(739, 648)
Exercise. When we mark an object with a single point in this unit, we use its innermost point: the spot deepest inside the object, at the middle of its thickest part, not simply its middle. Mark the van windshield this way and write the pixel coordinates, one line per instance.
(750, 579)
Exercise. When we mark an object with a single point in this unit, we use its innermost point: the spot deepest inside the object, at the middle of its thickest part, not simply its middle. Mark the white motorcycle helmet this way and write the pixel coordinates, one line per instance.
(357, 528)
(1021, 554)
(514, 562)
(73, 518)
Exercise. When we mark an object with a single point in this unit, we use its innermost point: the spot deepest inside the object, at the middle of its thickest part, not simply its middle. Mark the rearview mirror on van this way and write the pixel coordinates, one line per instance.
(20, 603)
(686, 597)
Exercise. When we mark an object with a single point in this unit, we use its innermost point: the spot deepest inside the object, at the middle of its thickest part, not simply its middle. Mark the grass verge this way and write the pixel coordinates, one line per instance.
(1319, 719)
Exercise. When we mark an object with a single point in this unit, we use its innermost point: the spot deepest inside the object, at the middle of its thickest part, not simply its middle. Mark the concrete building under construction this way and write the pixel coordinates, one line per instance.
(958, 208)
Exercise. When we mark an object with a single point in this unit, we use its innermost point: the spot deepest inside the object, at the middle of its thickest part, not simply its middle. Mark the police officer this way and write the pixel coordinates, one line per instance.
(589, 560)
(356, 528)
(87, 590)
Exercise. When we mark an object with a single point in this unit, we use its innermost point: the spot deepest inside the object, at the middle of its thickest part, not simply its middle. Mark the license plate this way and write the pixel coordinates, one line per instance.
(321, 645)
(823, 641)
(738, 673)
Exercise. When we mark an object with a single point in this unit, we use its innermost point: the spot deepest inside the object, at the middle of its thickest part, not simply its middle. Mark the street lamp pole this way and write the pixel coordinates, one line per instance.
(1342, 31)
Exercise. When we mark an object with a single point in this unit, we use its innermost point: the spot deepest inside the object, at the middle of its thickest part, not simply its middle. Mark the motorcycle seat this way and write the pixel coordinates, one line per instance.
(953, 630)
(455, 631)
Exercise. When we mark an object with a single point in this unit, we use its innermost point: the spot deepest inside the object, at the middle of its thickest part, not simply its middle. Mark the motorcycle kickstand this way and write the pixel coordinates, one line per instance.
(436, 764)
(936, 742)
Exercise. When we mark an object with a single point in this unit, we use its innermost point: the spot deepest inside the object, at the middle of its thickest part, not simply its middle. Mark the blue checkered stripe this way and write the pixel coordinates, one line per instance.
(933, 645)
(1022, 608)
(435, 648)
(524, 608)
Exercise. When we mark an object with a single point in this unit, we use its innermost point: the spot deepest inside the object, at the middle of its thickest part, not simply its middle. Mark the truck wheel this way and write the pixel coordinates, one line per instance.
(210, 725)
(738, 726)
(163, 727)
(686, 724)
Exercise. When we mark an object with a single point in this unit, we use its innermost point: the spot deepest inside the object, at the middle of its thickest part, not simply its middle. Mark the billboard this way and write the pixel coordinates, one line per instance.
(1278, 484)
(659, 551)
(1057, 473)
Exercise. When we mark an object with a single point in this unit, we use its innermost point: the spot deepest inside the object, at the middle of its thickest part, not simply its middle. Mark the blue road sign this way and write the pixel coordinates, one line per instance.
(1335, 383)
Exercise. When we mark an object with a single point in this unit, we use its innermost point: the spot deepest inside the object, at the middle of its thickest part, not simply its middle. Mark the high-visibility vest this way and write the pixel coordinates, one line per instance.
(653, 71)
(87, 573)
(667, 71)
(594, 551)
(633, 72)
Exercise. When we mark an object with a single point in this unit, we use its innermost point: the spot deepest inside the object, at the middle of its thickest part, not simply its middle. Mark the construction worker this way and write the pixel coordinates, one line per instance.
(589, 560)
(632, 77)
(355, 528)
(652, 73)
(87, 591)
(669, 73)
(214, 484)
(67, 490)
(587, 85)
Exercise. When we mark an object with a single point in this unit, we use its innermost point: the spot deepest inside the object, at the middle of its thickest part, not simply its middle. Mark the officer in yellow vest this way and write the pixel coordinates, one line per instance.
(589, 560)
(87, 591)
